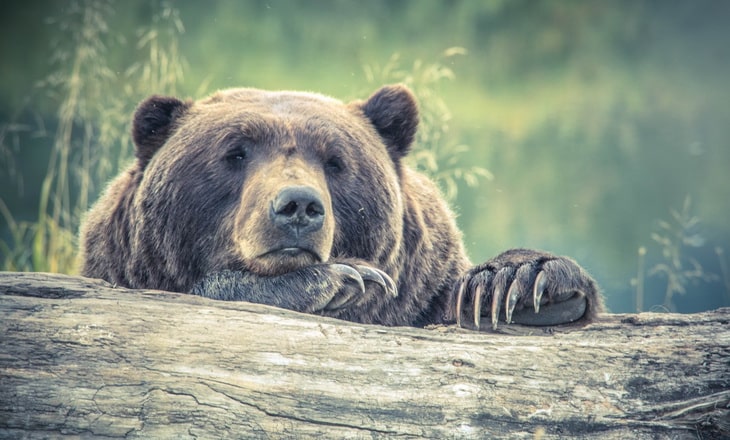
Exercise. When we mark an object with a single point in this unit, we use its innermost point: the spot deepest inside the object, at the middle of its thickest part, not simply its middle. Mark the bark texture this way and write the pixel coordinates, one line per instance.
(80, 358)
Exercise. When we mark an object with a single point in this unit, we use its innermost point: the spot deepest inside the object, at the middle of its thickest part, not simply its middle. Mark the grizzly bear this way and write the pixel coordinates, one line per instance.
(301, 201)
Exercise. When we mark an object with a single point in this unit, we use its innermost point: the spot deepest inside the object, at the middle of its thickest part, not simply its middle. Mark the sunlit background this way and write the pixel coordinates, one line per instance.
(595, 129)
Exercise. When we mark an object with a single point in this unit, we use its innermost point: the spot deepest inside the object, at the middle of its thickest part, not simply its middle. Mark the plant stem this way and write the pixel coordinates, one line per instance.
(640, 281)
(725, 273)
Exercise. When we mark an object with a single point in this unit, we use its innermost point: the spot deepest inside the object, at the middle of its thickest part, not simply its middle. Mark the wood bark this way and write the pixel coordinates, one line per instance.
(80, 358)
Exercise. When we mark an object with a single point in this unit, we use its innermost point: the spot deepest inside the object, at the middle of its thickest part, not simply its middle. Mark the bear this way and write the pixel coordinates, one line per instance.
(301, 201)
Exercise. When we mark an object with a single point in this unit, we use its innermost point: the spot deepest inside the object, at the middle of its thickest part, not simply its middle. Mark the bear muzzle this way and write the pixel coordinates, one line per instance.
(298, 211)
(285, 219)
(297, 232)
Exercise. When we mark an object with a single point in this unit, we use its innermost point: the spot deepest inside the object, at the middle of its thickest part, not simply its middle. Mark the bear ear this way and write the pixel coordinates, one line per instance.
(153, 123)
(394, 113)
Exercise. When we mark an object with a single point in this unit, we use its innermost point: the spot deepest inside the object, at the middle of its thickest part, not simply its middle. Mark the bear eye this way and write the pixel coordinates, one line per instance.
(236, 156)
(334, 165)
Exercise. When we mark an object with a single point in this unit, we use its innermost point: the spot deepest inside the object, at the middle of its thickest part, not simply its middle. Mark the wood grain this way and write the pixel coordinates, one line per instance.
(80, 358)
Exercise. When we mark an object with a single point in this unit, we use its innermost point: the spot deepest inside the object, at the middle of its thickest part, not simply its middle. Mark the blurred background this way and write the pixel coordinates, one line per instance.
(595, 129)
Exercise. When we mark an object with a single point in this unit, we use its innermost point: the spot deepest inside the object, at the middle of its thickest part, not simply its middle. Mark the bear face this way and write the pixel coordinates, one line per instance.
(300, 201)
(277, 176)
(266, 182)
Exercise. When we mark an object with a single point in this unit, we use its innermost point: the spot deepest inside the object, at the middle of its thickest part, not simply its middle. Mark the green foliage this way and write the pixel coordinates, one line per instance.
(436, 152)
(674, 237)
(92, 125)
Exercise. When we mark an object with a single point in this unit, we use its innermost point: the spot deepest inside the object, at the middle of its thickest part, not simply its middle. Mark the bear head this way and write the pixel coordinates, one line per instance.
(268, 181)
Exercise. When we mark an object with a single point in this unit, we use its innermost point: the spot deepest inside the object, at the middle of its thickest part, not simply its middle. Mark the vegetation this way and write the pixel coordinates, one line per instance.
(679, 270)
(593, 118)
(435, 153)
(91, 142)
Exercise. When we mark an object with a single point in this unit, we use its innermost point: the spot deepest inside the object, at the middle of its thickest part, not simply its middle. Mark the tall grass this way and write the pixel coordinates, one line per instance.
(95, 99)
(91, 142)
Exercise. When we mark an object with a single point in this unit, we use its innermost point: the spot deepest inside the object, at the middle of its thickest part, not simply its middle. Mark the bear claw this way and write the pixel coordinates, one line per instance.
(361, 274)
(379, 277)
(538, 290)
(511, 299)
(495, 308)
(350, 273)
(511, 302)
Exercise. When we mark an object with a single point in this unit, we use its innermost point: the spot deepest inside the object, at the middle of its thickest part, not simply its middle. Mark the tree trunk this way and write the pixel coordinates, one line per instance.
(83, 359)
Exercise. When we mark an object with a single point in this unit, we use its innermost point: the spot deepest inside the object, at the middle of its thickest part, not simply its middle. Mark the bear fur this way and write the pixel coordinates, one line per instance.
(300, 201)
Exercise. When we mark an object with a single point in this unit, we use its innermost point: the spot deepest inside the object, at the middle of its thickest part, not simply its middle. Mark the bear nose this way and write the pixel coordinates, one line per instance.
(298, 209)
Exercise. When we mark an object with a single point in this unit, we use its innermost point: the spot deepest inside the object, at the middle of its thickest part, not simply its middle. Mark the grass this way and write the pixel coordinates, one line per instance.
(91, 142)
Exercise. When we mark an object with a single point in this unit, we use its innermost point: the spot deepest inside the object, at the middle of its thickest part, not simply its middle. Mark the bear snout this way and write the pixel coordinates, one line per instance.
(298, 211)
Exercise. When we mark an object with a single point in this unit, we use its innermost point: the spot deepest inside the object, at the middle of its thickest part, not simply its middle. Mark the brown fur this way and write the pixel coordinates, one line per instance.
(201, 210)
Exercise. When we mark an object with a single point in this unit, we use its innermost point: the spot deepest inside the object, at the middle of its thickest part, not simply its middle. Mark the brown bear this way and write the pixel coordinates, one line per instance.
(300, 201)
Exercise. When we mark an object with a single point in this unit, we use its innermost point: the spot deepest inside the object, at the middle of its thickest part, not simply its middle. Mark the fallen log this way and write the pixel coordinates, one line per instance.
(80, 358)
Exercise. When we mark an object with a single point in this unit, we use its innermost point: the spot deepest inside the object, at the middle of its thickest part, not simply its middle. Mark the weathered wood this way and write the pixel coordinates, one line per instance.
(82, 359)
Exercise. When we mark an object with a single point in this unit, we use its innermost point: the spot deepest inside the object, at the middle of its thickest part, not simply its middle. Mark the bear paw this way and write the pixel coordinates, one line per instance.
(325, 287)
(527, 287)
